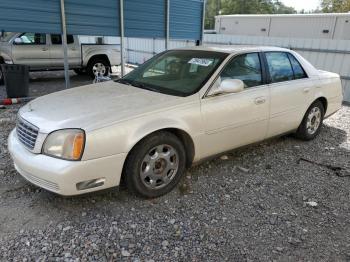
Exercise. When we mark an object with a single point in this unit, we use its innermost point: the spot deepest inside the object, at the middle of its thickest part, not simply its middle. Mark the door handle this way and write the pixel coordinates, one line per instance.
(260, 100)
(44, 49)
(306, 90)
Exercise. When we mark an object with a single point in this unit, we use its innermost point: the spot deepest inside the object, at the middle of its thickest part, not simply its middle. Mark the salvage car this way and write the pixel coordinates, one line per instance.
(178, 108)
(45, 52)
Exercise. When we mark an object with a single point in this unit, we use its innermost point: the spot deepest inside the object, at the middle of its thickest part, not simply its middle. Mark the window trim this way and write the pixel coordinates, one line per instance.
(264, 71)
(269, 79)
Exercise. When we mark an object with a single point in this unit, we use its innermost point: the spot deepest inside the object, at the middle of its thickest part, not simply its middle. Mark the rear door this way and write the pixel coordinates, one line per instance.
(56, 51)
(291, 92)
(31, 49)
(237, 119)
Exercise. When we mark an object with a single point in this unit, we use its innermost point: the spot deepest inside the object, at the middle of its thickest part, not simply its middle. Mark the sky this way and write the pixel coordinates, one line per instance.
(307, 5)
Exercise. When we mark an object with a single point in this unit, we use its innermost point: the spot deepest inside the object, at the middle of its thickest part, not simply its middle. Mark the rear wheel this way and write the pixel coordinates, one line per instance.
(155, 165)
(98, 67)
(311, 125)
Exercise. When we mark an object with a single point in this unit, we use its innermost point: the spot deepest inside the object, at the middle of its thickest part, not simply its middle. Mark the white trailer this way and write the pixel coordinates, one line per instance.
(321, 26)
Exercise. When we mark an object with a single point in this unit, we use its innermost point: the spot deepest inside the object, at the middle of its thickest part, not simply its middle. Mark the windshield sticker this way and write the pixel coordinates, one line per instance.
(201, 61)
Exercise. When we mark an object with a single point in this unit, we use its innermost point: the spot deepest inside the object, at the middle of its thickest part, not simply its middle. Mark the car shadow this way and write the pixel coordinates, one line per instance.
(197, 181)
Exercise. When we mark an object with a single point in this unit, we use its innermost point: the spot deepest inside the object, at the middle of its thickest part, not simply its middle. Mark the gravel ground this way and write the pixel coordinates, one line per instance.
(282, 200)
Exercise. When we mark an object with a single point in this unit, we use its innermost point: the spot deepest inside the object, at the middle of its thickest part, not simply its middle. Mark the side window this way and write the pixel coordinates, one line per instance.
(32, 39)
(245, 67)
(57, 39)
(279, 66)
(299, 72)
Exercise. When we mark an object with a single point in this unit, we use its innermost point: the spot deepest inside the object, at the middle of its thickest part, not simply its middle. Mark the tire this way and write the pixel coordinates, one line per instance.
(79, 72)
(100, 63)
(155, 165)
(311, 125)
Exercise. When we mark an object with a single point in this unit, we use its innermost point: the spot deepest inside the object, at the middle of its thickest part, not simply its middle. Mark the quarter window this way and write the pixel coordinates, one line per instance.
(279, 66)
(245, 67)
(299, 72)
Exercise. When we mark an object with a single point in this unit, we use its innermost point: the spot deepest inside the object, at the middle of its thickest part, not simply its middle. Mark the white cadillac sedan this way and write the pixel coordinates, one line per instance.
(179, 107)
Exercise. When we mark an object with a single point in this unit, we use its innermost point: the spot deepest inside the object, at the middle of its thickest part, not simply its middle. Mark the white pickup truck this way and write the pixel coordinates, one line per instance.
(45, 52)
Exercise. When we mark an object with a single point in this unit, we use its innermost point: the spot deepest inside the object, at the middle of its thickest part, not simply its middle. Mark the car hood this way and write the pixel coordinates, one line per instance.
(94, 106)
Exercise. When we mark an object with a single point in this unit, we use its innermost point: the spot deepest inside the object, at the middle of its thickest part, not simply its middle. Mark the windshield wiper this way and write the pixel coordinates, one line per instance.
(123, 81)
(144, 86)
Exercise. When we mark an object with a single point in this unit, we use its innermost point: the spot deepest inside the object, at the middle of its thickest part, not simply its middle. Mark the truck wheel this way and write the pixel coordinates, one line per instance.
(155, 165)
(98, 67)
(79, 72)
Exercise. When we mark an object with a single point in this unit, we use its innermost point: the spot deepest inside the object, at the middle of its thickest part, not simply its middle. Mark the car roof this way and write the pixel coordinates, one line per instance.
(230, 49)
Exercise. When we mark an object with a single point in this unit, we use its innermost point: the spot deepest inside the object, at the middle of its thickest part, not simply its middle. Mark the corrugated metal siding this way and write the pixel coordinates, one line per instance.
(324, 54)
(91, 17)
(101, 18)
(144, 18)
(30, 16)
(186, 19)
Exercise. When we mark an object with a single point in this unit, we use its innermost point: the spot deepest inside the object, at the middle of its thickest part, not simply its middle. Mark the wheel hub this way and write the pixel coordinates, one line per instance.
(159, 166)
(99, 69)
(313, 120)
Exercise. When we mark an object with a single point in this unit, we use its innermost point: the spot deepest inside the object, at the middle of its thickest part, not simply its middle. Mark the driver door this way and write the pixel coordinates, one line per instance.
(236, 119)
(31, 49)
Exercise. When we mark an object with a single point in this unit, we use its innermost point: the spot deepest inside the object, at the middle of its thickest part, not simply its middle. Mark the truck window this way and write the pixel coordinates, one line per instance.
(33, 39)
(57, 39)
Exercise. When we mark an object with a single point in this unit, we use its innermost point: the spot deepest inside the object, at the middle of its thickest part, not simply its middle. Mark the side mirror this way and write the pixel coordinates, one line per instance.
(18, 41)
(229, 86)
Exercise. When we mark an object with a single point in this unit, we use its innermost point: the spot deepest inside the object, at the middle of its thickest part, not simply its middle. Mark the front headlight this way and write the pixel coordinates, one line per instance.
(66, 144)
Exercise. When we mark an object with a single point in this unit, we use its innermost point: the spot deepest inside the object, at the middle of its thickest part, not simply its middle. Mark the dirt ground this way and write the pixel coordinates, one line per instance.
(280, 200)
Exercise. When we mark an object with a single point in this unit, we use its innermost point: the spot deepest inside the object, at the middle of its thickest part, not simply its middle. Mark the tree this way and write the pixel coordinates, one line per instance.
(335, 6)
(225, 7)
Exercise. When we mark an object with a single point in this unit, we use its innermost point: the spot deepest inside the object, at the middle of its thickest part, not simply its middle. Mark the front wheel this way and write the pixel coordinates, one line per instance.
(155, 165)
(311, 125)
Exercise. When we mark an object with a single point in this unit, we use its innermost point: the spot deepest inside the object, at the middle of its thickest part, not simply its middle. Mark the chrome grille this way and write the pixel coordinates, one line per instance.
(27, 133)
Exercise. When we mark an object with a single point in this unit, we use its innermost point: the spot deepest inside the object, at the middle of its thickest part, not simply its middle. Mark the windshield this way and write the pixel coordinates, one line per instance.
(176, 72)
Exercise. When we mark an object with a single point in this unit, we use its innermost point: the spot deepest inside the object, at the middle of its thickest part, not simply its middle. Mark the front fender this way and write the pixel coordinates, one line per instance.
(122, 137)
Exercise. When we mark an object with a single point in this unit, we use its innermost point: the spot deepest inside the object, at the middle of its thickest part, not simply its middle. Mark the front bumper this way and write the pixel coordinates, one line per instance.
(62, 176)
